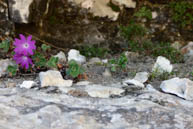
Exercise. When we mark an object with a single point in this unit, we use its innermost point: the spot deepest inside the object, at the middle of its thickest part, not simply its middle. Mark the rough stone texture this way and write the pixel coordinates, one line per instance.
(27, 109)
(53, 78)
(102, 91)
(188, 49)
(61, 57)
(180, 87)
(126, 3)
(6, 26)
(162, 65)
(75, 55)
(19, 10)
(4, 63)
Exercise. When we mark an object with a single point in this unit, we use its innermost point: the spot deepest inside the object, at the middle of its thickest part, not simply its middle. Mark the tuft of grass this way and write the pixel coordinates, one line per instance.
(120, 63)
(93, 51)
(147, 47)
(182, 12)
(144, 12)
(132, 30)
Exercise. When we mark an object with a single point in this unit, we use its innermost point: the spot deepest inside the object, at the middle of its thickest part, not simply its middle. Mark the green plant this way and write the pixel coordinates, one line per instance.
(5, 44)
(12, 70)
(132, 30)
(74, 69)
(114, 7)
(144, 12)
(41, 61)
(52, 62)
(182, 12)
(45, 47)
(121, 63)
(160, 76)
(93, 51)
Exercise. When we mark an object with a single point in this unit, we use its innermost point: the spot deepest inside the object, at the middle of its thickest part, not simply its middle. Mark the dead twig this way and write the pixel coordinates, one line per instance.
(46, 42)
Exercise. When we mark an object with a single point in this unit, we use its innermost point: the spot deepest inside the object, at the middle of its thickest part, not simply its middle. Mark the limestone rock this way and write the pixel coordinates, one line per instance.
(6, 26)
(102, 91)
(134, 82)
(154, 15)
(27, 84)
(180, 87)
(141, 77)
(83, 83)
(95, 60)
(162, 65)
(99, 8)
(107, 73)
(138, 80)
(19, 10)
(3, 66)
(61, 57)
(75, 55)
(188, 49)
(29, 109)
(126, 3)
(53, 78)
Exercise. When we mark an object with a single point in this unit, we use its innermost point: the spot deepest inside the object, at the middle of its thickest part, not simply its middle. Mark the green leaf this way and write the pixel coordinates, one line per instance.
(39, 60)
(74, 69)
(45, 47)
(12, 69)
(5, 45)
(113, 68)
(52, 62)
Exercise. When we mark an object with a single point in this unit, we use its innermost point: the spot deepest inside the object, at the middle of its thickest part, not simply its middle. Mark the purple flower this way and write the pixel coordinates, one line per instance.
(22, 60)
(24, 46)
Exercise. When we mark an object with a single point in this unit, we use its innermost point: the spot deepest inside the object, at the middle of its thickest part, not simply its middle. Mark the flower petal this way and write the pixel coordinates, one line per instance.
(29, 38)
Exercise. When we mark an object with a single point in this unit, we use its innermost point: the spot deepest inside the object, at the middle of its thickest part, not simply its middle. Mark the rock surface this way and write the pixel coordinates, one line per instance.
(61, 57)
(19, 10)
(162, 65)
(180, 87)
(27, 84)
(53, 78)
(4, 63)
(27, 109)
(102, 91)
(75, 55)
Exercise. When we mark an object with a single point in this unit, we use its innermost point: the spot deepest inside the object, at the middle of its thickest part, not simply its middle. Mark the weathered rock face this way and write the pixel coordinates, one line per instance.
(26, 109)
(6, 26)
(66, 23)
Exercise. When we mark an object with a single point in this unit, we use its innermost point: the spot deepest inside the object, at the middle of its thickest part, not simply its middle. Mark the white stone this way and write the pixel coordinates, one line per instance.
(61, 57)
(95, 60)
(105, 61)
(180, 87)
(126, 3)
(19, 10)
(53, 78)
(176, 45)
(75, 55)
(134, 82)
(98, 8)
(4, 65)
(162, 65)
(27, 84)
(154, 15)
(141, 77)
(83, 83)
(102, 91)
(107, 73)
(150, 88)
